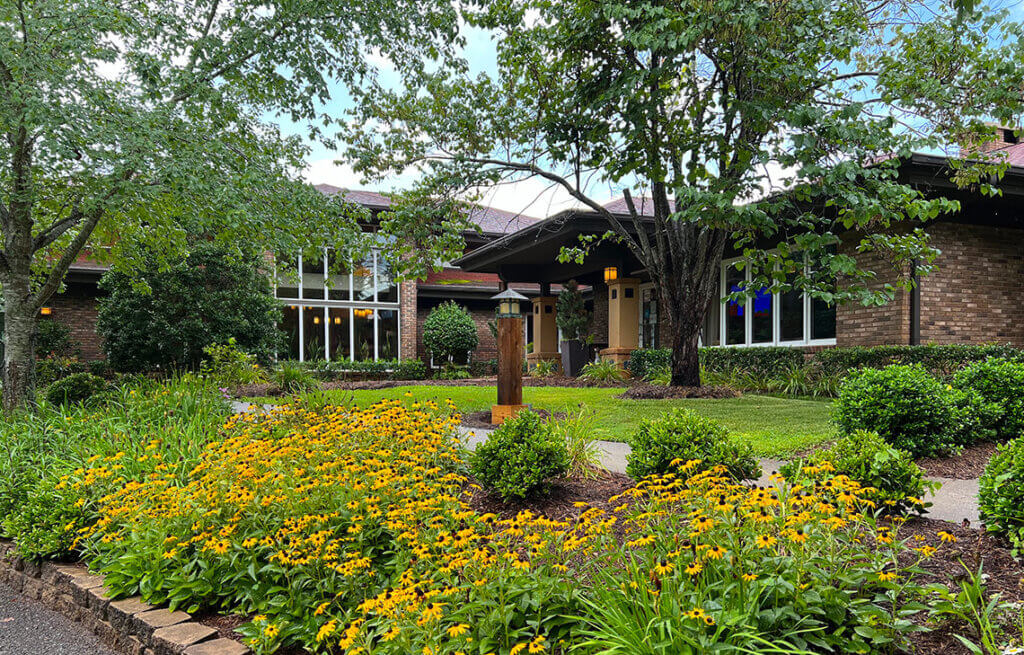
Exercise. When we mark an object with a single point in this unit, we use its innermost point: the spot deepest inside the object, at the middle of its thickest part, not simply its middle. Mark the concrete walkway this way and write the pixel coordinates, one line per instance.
(954, 501)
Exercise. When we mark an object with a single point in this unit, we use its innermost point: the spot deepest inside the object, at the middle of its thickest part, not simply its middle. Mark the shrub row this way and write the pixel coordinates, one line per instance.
(394, 369)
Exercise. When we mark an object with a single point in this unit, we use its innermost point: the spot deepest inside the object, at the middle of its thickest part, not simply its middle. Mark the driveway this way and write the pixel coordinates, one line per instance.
(28, 628)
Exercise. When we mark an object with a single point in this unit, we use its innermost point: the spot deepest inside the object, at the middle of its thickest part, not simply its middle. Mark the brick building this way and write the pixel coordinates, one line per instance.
(365, 314)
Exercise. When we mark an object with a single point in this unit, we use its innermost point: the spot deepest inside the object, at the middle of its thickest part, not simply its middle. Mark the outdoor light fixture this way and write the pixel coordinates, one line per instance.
(611, 274)
(45, 311)
(508, 303)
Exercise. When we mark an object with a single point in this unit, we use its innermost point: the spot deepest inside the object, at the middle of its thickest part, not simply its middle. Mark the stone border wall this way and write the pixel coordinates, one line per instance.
(128, 625)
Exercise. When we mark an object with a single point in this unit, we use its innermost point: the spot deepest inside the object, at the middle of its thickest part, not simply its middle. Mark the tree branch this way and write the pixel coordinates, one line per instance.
(53, 280)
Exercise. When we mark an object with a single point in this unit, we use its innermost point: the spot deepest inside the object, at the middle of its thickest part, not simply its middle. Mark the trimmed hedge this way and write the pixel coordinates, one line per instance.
(1001, 494)
(384, 369)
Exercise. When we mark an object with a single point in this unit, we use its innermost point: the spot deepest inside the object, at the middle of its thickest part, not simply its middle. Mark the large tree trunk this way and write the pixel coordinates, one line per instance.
(685, 353)
(19, 365)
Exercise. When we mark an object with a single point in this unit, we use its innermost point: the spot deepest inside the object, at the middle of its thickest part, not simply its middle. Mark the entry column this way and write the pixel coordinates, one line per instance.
(545, 333)
(623, 319)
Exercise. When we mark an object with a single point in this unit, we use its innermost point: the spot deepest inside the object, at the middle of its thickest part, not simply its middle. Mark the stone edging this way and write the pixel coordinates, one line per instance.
(129, 625)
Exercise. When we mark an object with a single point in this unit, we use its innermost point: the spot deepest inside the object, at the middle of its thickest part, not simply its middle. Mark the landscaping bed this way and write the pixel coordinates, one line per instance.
(968, 465)
(642, 391)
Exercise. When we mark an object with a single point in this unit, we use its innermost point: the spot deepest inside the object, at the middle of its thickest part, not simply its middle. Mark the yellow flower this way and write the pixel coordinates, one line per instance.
(946, 537)
(457, 630)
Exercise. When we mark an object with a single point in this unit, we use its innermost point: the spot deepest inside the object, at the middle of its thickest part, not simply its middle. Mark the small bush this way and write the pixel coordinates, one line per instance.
(409, 369)
(572, 316)
(661, 376)
(604, 370)
(101, 369)
(483, 368)
(868, 459)
(906, 405)
(449, 332)
(75, 388)
(645, 361)
(294, 379)
(763, 360)
(998, 381)
(1001, 493)
(53, 338)
(54, 367)
(228, 365)
(519, 457)
(544, 369)
(452, 372)
(685, 435)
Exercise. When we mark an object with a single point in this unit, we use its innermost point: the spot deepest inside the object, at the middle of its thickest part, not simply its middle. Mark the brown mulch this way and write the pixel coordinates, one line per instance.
(558, 504)
(224, 624)
(483, 419)
(968, 465)
(658, 392)
(266, 389)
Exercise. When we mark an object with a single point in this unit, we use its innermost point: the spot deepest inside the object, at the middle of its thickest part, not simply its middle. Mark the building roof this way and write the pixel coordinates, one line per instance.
(490, 220)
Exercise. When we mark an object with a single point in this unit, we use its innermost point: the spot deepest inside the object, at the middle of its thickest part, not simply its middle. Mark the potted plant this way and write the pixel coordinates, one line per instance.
(573, 320)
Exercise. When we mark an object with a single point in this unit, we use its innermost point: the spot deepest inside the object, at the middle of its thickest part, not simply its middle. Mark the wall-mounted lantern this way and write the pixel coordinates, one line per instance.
(611, 273)
(46, 311)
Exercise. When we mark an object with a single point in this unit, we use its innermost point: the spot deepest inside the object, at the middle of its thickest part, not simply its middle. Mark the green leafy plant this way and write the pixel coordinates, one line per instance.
(660, 376)
(228, 365)
(571, 314)
(519, 457)
(294, 379)
(75, 388)
(998, 381)
(53, 338)
(1001, 493)
(682, 435)
(576, 431)
(975, 607)
(452, 371)
(449, 332)
(867, 458)
(544, 369)
(906, 405)
(604, 370)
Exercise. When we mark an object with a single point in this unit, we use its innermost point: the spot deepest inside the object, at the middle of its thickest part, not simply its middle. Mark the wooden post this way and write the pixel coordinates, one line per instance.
(510, 369)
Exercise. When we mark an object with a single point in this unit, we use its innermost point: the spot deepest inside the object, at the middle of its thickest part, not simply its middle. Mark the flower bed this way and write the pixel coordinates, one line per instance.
(351, 529)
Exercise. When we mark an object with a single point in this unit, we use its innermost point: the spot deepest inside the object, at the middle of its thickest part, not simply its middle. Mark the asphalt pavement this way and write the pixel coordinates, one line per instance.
(28, 628)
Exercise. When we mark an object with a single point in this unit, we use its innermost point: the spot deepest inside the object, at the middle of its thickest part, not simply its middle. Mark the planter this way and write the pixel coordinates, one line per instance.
(575, 355)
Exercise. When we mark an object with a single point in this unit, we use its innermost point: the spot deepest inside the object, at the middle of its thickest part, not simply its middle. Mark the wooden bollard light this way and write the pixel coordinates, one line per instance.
(510, 357)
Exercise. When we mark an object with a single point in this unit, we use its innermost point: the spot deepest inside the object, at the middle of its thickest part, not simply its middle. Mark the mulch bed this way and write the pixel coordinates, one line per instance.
(658, 392)
(968, 465)
(267, 389)
(483, 419)
(558, 504)
(224, 624)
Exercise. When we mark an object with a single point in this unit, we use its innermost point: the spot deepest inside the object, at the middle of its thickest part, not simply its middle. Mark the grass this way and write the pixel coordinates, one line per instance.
(773, 426)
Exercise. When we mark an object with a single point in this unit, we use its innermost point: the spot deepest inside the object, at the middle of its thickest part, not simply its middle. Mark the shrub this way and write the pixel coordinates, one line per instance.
(572, 316)
(519, 457)
(762, 360)
(53, 338)
(101, 368)
(75, 388)
(604, 370)
(998, 381)
(54, 367)
(294, 379)
(452, 371)
(939, 360)
(906, 405)
(449, 332)
(1001, 493)
(645, 361)
(204, 300)
(544, 369)
(409, 369)
(871, 461)
(660, 376)
(685, 435)
(483, 368)
(229, 365)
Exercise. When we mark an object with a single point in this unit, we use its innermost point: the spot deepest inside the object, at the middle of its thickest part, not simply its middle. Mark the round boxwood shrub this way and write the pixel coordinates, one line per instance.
(449, 332)
(905, 405)
(519, 457)
(685, 435)
(999, 381)
(75, 388)
(867, 458)
(1001, 493)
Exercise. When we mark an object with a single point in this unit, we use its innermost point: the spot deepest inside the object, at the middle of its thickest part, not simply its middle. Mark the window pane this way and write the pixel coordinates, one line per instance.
(387, 334)
(363, 320)
(761, 320)
(341, 338)
(387, 290)
(313, 333)
(791, 320)
(362, 281)
(735, 316)
(338, 280)
(823, 320)
(287, 277)
(648, 319)
(313, 277)
(290, 326)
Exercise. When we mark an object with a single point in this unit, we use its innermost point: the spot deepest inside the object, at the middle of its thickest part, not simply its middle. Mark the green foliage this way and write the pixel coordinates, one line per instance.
(683, 435)
(449, 332)
(943, 361)
(906, 405)
(101, 368)
(999, 381)
(383, 369)
(53, 338)
(571, 314)
(519, 457)
(604, 370)
(544, 369)
(409, 369)
(52, 368)
(452, 371)
(228, 365)
(1001, 493)
(75, 388)
(483, 368)
(975, 607)
(294, 379)
(576, 431)
(761, 360)
(870, 460)
(207, 299)
(659, 376)
(643, 361)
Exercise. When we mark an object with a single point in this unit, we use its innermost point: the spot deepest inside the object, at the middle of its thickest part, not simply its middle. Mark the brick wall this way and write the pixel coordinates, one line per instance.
(77, 308)
(857, 325)
(407, 317)
(599, 322)
(974, 295)
(482, 312)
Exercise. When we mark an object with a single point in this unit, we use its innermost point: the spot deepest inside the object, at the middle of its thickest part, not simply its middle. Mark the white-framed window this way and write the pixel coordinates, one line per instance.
(648, 328)
(339, 312)
(792, 318)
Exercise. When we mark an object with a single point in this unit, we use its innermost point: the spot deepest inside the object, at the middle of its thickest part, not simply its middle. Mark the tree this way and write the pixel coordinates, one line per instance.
(128, 126)
(571, 314)
(705, 107)
(205, 300)
(449, 332)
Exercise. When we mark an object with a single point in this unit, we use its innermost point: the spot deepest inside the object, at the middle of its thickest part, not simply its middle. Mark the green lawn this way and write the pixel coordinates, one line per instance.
(773, 426)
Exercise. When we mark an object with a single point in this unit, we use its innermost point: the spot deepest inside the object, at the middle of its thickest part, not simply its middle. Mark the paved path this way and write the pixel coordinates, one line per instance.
(955, 501)
(28, 628)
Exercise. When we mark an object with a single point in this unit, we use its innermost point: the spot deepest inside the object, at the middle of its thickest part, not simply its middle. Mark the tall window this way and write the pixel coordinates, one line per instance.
(648, 319)
(339, 310)
(763, 318)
